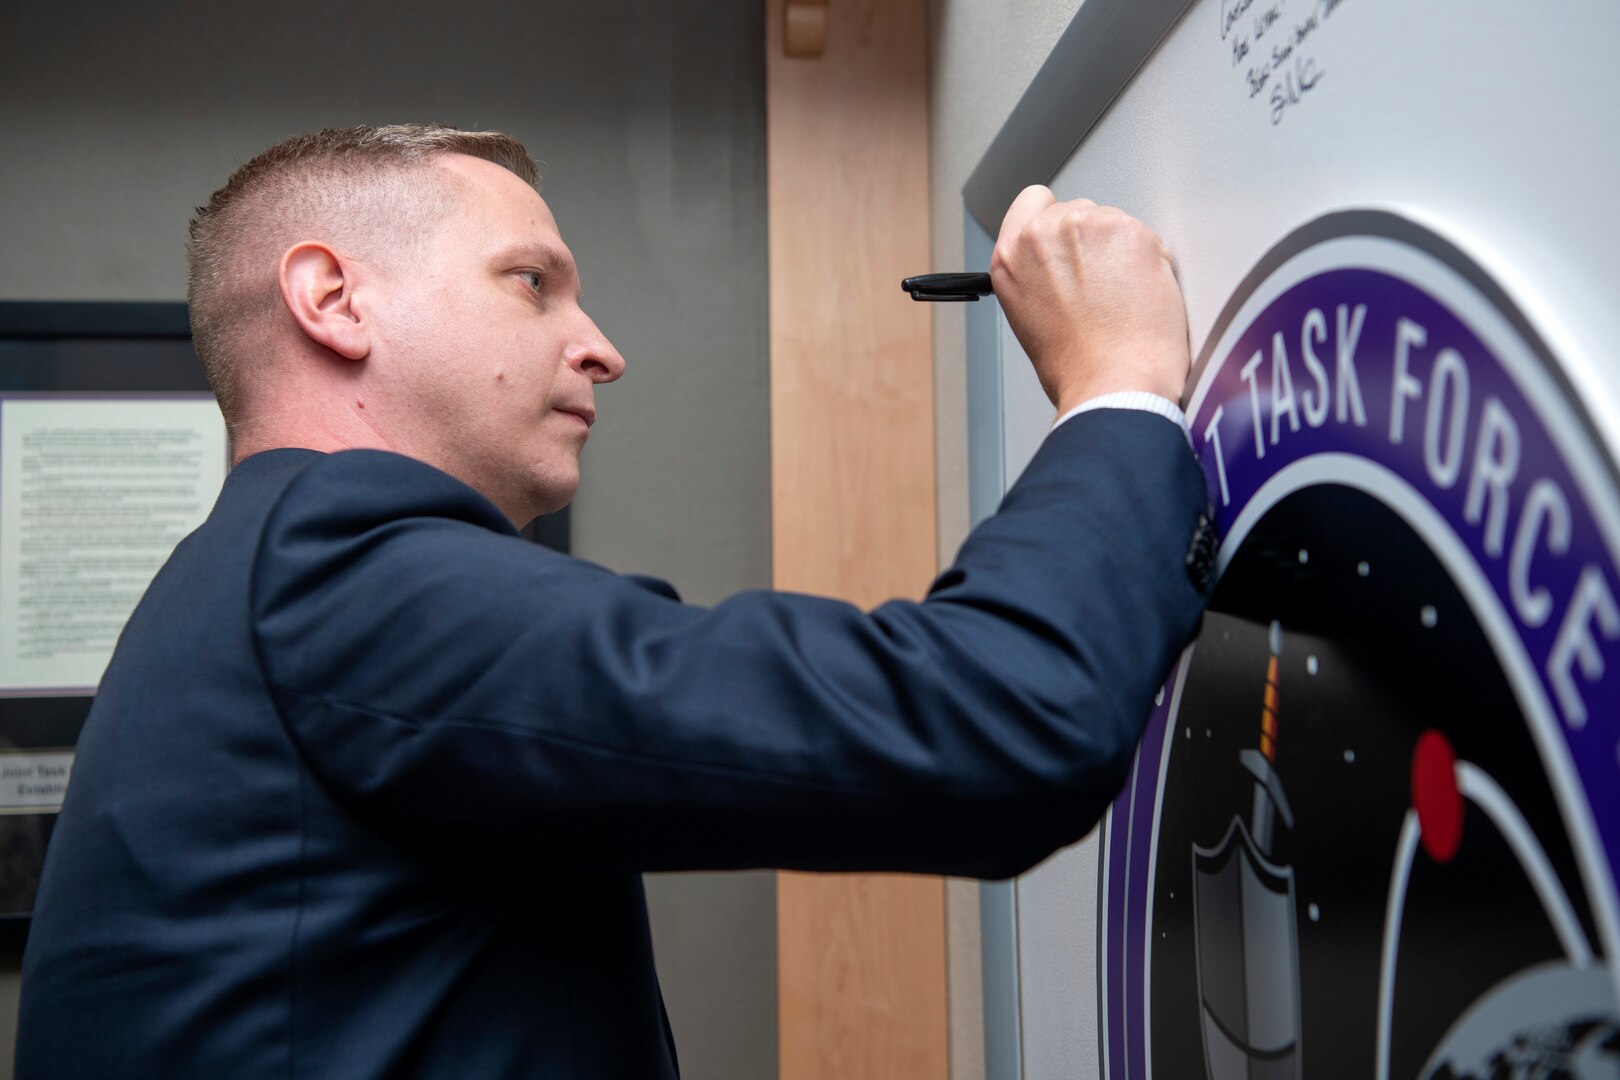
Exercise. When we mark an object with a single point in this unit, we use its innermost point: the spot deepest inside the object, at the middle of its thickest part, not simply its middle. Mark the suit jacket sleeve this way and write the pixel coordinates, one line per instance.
(484, 701)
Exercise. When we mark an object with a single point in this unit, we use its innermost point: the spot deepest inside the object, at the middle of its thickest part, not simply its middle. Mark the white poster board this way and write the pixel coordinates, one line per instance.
(1490, 131)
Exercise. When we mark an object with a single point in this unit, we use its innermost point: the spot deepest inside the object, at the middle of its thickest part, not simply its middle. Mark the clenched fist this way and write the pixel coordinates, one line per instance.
(1091, 295)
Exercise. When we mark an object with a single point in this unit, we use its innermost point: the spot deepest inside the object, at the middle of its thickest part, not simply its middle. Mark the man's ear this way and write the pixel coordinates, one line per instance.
(317, 285)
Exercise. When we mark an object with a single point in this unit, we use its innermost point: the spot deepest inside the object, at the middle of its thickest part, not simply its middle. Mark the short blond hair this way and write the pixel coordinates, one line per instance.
(344, 185)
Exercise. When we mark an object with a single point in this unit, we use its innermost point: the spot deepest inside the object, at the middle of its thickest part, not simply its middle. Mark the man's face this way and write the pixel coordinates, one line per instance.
(488, 365)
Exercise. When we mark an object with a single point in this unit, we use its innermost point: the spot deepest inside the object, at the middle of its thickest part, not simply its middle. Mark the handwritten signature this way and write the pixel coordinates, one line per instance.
(1292, 86)
(1270, 49)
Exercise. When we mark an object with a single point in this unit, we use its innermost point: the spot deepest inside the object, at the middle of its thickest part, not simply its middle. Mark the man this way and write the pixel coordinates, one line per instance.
(370, 782)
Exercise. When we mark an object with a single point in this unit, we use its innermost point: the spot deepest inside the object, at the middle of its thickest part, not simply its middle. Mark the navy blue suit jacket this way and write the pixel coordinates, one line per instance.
(370, 781)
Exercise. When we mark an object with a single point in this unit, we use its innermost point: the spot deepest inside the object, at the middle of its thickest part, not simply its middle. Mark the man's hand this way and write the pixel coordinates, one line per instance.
(1091, 295)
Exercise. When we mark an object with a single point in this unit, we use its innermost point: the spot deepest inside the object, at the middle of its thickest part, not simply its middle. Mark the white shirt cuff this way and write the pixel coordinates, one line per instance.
(1131, 399)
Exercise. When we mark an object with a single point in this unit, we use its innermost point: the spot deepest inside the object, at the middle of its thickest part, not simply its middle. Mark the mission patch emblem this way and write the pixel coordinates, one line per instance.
(1372, 829)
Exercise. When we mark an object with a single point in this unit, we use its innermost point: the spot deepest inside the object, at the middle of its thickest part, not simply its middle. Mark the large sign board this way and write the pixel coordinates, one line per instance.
(1372, 829)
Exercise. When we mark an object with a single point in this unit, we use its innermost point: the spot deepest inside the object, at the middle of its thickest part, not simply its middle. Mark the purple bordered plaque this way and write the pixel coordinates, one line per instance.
(1373, 826)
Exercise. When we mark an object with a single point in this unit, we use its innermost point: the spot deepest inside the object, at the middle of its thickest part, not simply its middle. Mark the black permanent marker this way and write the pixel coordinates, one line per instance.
(947, 286)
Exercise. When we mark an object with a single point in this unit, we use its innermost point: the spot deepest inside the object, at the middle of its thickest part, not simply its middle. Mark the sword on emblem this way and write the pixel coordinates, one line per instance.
(1247, 945)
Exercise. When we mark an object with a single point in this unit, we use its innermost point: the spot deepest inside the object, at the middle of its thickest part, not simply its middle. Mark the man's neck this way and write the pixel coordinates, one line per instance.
(326, 432)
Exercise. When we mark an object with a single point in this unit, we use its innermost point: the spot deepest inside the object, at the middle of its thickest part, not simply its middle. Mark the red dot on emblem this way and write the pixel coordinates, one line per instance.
(1435, 797)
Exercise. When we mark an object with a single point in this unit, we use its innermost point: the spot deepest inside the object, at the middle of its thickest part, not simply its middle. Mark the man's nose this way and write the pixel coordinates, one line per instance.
(593, 355)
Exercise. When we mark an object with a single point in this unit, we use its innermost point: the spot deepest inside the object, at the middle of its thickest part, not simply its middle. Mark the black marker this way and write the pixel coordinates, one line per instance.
(947, 286)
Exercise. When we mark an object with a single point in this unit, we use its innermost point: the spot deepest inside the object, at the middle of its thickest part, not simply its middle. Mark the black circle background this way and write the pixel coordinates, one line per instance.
(1382, 679)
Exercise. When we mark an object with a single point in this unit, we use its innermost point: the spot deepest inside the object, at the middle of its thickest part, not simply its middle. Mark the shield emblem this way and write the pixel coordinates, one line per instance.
(1248, 960)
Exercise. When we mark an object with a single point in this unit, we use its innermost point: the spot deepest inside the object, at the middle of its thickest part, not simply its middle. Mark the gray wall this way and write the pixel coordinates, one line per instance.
(116, 119)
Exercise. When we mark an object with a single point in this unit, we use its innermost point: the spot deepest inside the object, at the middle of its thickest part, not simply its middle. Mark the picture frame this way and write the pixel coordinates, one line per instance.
(66, 348)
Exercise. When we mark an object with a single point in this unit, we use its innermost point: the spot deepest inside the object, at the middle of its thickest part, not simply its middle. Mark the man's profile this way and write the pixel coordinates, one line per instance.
(370, 780)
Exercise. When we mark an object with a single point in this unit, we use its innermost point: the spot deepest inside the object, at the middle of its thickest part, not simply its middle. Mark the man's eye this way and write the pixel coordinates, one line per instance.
(534, 279)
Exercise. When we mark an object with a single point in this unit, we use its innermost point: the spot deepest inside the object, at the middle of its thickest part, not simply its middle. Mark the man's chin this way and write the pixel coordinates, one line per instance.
(553, 496)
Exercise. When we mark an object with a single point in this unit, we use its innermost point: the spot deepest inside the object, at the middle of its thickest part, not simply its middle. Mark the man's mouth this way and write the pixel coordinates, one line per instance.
(584, 412)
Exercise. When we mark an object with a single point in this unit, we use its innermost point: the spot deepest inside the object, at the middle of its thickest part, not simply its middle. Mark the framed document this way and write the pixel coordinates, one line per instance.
(111, 451)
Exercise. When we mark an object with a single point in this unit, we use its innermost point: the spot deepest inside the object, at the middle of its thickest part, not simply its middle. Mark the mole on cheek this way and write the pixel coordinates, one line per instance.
(500, 376)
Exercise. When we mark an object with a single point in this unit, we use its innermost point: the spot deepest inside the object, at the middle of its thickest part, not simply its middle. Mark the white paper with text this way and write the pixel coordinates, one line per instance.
(95, 492)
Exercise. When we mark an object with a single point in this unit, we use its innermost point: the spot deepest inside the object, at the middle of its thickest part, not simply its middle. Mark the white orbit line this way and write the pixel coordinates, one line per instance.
(1477, 784)
(1404, 850)
(1488, 795)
